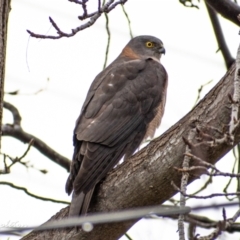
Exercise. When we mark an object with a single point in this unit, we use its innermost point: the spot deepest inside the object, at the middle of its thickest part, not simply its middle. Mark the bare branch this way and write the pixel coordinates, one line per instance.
(106, 8)
(16, 115)
(108, 38)
(18, 133)
(222, 45)
(127, 236)
(184, 183)
(128, 20)
(4, 13)
(230, 180)
(204, 197)
(227, 8)
(15, 160)
(200, 90)
(207, 223)
(221, 226)
(33, 195)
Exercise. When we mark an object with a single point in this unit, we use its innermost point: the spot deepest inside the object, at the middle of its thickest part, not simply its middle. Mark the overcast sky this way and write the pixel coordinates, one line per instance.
(65, 68)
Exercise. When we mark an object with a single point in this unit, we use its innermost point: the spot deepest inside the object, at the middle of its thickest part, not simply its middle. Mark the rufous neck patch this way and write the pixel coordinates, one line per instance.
(128, 52)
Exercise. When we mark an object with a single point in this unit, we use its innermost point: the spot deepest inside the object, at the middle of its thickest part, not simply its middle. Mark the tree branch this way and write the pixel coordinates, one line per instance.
(228, 9)
(4, 13)
(128, 20)
(18, 133)
(108, 38)
(207, 223)
(31, 194)
(229, 60)
(184, 183)
(15, 130)
(106, 8)
(15, 113)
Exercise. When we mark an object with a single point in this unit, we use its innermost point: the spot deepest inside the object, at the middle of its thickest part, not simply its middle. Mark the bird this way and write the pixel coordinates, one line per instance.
(123, 107)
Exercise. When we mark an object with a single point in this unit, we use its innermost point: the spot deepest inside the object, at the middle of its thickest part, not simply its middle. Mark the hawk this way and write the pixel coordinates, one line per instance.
(123, 107)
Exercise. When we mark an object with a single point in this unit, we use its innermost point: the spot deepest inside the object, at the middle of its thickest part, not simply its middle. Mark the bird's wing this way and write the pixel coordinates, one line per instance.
(124, 99)
(114, 118)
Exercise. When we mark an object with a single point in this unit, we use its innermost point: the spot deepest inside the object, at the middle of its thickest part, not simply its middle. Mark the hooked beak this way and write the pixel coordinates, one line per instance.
(162, 50)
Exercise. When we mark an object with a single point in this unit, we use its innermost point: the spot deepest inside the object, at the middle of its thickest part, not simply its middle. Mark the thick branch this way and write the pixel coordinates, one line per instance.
(4, 12)
(227, 8)
(229, 60)
(18, 133)
(145, 179)
(16, 115)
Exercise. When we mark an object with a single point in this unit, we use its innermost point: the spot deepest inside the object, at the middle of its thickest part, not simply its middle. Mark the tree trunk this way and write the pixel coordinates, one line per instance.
(145, 179)
(4, 12)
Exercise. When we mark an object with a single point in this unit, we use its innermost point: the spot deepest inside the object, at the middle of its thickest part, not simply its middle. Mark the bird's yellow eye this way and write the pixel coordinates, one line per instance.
(149, 44)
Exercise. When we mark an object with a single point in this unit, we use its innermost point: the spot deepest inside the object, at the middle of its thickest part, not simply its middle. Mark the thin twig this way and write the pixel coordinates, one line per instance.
(127, 236)
(221, 226)
(18, 159)
(31, 194)
(25, 153)
(108, 38)
(128, 20)
(200, 90)
(204, 197)
(209, 181)
(207, 223)
(230, 180)
(184, 182)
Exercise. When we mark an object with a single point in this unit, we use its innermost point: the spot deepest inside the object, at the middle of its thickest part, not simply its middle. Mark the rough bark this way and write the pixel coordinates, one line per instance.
(145, 179)
(4, 13)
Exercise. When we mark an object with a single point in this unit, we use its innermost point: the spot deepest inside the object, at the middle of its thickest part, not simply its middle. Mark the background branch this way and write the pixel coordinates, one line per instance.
(18, 133)
(228, 59)
(228, 9)
(15, 130)
(207, 223)
(108, 38)
(31, 194)
(106, 8)
(15, 113)
(4, 13)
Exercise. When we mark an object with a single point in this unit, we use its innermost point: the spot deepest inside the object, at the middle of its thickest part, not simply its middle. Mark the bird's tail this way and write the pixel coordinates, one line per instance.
(80, 203)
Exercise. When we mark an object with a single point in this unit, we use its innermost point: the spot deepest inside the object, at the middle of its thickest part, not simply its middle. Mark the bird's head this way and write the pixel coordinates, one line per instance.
(145, 46)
